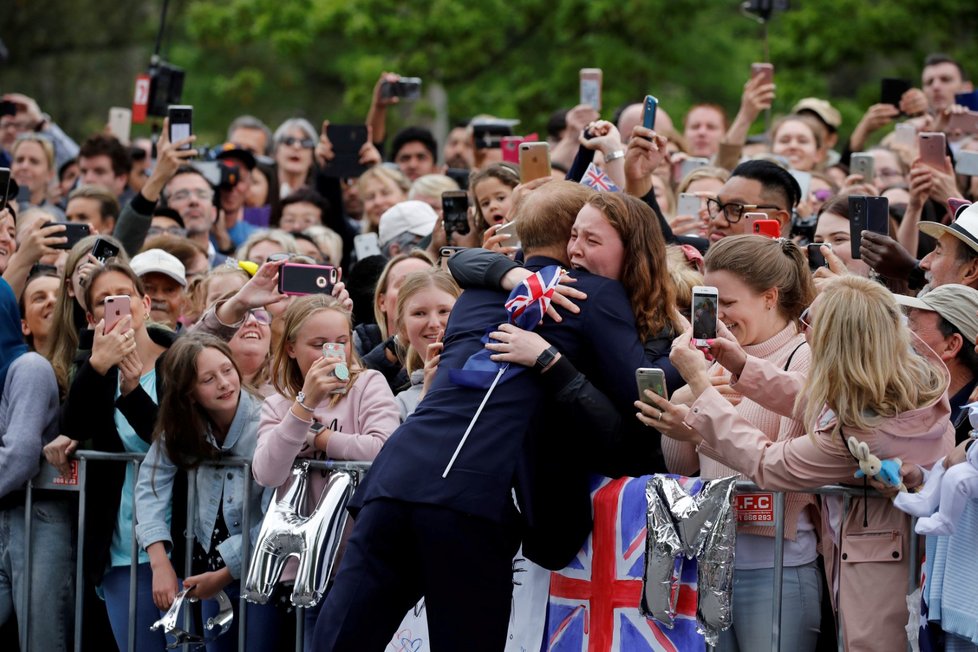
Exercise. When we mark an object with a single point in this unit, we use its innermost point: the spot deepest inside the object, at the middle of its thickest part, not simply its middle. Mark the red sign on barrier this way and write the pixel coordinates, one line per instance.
(755, 509)
(72, 479)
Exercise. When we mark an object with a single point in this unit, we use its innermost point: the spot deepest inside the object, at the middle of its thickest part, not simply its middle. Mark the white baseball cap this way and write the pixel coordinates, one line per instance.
(964, 227)
(161, 262)
(410, 216)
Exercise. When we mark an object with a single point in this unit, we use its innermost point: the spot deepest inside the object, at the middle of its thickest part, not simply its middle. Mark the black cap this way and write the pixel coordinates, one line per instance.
(236, 153)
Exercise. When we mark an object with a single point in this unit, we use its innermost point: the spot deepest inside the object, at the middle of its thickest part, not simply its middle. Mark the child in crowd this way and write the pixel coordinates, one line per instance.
(326, 406)
(204, 416)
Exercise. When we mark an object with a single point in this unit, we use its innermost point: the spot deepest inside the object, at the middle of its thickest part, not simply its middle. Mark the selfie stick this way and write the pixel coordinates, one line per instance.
(475, 418)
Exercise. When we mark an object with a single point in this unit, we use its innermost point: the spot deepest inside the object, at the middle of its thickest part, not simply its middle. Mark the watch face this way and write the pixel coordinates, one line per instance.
(341, 371)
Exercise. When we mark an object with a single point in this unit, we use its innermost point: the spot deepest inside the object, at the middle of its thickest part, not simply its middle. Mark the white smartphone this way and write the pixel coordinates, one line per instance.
(120, 123)
(591, 87)
(804, 180)
(366, 245)
(863, 164)
(690, 164)
(704, 314)
(689, 204)
(967, 163)
(509, 230)
(905, 134)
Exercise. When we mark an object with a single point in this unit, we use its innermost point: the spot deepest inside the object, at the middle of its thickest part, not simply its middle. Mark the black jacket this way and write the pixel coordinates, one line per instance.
(89, 414)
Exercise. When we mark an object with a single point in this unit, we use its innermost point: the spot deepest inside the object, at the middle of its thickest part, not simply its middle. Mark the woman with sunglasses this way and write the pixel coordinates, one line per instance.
(294, 140)
(865, 382)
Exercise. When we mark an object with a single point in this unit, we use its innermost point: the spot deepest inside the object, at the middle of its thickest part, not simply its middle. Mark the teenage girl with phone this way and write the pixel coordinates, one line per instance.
(323, 408)
(204, 416)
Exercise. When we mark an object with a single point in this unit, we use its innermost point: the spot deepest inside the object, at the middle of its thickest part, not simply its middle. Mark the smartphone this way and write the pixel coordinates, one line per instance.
(650, 378)
(967, 163)
(964, 123)
(120, 123)
(181, 123)
(891, 90)
(511, 146)
(455, 212)
(534, 161)
(804, 180)
(690, 164)
(103, 250)
(366, 245)
(765, 71)
(867, 214)
(704, 314)
(750, 218)
(4, 187)
(509, 230)
(347, 141)
(299, 279)
(933, 148)
(334, 350)
(74, 231)
(905, 134)
(968, 100)
(648, 114)
(406, 88)
(864, 165)
(591, 87)
(767, 228)
(815, 257)
(116, 307)
(688, 204)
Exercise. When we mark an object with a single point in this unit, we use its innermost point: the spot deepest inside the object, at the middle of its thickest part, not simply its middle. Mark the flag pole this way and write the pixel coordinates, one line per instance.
(475, 418)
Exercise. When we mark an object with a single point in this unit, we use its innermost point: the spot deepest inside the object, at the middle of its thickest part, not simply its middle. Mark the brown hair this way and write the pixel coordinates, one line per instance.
(182, 424)
(286, 376)
(112, 265)
(764, 263)
(413, 283)
(384, 280)
(108, 204)
(644, 276)
(544, 217)
(505, 173)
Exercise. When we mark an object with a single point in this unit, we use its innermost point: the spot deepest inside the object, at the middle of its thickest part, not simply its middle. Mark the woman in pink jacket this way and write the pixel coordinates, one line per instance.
(325, 407)
(866, 382)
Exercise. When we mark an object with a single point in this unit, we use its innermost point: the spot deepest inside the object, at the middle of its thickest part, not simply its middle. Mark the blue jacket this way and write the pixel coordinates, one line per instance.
(155, 487)
(602, 342)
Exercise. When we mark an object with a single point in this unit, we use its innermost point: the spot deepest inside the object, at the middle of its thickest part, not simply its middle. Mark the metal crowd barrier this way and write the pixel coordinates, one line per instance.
(49, 479)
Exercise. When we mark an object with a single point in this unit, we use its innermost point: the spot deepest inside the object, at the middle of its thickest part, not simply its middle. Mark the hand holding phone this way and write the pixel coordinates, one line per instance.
(455, 212)
(591, 87)
(300, 279)
(863, 164)
(103, 250)
(117, 307)
(932, 146)
(867, 213)
(74, 231)
(650, 378)
(181, 118)
(534, 161)
(651, 106)
(816, 258)
(763, 72)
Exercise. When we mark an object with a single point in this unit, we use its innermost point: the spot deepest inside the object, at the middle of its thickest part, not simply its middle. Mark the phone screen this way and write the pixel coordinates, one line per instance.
(704, 316)
(455, 211)
(815, 257)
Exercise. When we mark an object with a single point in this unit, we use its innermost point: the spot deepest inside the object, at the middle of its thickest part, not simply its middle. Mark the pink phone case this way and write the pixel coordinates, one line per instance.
(116, 308)
(933, 148)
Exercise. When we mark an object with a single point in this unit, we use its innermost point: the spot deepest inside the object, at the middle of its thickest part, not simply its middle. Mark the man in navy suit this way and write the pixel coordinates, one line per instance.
(452, 539)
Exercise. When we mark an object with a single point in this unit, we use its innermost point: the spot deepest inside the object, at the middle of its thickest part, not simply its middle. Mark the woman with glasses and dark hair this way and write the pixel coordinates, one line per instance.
(294, 142)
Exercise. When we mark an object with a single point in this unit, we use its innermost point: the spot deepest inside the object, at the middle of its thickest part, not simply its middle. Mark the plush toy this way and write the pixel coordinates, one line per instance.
(946, 492)
(886, 471)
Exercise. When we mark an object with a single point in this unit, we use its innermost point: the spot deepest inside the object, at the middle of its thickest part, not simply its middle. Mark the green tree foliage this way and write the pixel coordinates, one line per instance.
(320, 58)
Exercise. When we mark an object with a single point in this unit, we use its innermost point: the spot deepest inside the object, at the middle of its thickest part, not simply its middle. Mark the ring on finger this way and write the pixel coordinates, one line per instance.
(659, 418)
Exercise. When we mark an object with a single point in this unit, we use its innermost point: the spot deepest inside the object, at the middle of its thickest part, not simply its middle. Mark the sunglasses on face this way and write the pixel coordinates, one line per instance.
(305, 143)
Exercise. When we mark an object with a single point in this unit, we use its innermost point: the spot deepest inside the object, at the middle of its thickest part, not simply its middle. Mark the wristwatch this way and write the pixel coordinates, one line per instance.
(545, 358)
(315, 428)
(614, 156)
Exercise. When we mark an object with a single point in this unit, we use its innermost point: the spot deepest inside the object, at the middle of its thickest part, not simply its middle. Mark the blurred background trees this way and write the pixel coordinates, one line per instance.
(320, 58)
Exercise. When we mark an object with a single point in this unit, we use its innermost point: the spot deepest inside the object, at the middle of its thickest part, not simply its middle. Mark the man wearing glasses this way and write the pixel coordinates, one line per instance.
(192, 197)
(753, 187)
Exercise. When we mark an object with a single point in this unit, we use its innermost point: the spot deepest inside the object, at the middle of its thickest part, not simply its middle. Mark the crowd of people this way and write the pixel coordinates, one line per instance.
(166, 332)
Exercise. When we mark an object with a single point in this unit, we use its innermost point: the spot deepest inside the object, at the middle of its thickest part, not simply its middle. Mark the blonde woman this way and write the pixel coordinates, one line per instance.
(380, 188)
(865, 381)
(705, 183)
(262, 244)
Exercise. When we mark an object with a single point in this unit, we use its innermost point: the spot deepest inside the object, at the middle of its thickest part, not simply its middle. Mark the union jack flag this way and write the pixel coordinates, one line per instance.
(595, 178)
(594, 602)
(526, 306)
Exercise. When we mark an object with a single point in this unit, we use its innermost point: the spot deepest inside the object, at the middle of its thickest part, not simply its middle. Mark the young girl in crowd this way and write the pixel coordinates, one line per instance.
(866, 382)
(492, 190)
(424, 303)
(204, 416)
(326, 405)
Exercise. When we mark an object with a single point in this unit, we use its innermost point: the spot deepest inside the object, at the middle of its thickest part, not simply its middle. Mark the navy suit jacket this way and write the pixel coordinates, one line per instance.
(601, 341)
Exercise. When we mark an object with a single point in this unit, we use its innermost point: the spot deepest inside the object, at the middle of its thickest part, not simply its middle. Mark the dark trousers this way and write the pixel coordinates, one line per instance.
(398, 552)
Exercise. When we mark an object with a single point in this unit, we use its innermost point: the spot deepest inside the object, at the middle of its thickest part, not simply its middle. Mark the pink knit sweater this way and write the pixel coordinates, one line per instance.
(683, 458)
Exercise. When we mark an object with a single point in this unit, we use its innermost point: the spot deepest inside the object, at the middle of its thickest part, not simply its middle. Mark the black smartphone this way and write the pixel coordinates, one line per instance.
(455, 212)
(299, 279)
(347, 140)
(867, 214)
(181, 123)
(103, 250)
(815, 257)
(406, 88)
(4, 187)
(74, 231)
(891, 90)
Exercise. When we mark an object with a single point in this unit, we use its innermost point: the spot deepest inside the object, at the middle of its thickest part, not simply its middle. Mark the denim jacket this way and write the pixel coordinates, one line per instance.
(154, 490)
